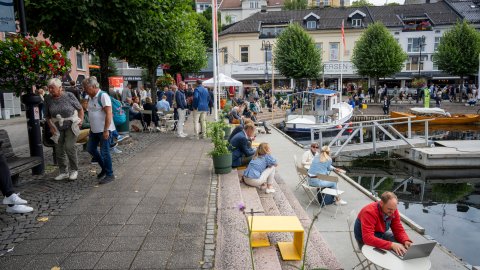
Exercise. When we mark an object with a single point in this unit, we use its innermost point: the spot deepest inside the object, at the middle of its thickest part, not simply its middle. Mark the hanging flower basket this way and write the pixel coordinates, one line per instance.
(26, 61)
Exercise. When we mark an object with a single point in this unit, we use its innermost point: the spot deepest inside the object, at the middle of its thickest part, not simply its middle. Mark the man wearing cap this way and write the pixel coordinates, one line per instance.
(201, 97)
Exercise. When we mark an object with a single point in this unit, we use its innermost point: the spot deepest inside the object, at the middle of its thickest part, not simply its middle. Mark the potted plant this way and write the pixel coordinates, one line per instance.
(221, 155)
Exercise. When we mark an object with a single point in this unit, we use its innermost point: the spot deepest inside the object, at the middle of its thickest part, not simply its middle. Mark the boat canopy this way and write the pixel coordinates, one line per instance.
(428, 111)
(323, 92)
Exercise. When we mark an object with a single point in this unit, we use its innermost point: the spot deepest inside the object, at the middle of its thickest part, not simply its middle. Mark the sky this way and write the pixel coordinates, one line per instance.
(382, 2)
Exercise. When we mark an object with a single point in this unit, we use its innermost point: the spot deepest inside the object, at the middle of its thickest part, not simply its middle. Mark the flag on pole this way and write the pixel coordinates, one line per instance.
(343, 39)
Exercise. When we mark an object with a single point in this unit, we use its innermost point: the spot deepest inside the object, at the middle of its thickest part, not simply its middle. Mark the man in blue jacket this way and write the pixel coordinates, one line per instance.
(181, 108)
(200, 109)
(240, 145)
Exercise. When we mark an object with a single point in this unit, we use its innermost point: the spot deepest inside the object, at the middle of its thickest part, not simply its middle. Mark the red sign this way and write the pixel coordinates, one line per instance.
(116, 82)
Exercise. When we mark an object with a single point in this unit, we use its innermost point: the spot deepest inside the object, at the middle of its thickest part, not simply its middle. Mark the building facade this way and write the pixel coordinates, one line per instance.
(417, 28)
(233, 11)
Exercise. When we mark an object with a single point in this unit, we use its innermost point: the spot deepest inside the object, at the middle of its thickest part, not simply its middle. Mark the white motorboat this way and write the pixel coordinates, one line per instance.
(325, 112)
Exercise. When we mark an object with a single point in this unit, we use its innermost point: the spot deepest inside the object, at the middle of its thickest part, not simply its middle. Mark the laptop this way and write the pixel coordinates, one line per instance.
(417, 251)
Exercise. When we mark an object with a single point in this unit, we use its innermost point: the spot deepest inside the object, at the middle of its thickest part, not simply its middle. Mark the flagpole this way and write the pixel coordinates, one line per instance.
(340, 87)
(215, 71)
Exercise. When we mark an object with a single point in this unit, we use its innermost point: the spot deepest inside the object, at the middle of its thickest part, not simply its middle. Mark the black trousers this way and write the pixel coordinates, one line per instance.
(5, 178)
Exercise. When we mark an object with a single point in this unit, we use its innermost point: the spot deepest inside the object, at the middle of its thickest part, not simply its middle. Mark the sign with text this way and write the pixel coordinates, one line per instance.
(7, 16)
(251, 68)
(132, 78)
(335, 68)
(116, 82)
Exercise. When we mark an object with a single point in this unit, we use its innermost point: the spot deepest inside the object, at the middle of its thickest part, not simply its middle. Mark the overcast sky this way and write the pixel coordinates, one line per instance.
(382, 2)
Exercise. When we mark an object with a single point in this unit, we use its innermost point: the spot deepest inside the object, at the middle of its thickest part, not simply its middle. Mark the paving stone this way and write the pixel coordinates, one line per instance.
(122, 209)
(106, 230)
(74, 231)
(47, 232)
(45, 261)
(153, 242)
(145, 219)
(62, 245)
(112, 219)
(147, 259)
(94, 243)
(168, 219)
(15, 262)
(191, 230)
(33, 246)
(116, 260)
(126, 243)
(81, 260)
(88, 220)
(159, 229)
(134, 230)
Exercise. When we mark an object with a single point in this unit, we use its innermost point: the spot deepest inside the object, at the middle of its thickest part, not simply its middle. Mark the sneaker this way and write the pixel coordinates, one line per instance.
(182, 135)
(62, 176)
(19, 209)
(73, 175)
(101, 175)
(158, 129)
(113, 145)
(14, 199)
(121, 138)
(93, 162)
(115, 150)
(341, 202)
(269, 190)
(107, 179)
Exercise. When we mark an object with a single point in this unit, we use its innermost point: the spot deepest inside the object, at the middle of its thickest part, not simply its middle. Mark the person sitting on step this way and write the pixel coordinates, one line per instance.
(261, 169)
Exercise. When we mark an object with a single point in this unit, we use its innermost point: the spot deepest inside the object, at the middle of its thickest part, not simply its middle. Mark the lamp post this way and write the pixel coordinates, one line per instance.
(266, 46)
(422, 44)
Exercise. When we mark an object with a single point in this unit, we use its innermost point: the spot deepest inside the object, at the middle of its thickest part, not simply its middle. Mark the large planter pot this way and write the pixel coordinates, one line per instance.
(222, 164)
(228, 131)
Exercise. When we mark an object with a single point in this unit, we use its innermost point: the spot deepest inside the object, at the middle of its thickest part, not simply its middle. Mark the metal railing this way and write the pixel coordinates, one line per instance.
(384, 125)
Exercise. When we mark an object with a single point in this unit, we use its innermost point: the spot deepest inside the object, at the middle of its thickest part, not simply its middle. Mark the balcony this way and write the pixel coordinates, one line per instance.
(417, 26)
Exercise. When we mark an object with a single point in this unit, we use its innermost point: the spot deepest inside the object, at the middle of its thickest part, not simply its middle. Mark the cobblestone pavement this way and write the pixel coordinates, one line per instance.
(159, 213)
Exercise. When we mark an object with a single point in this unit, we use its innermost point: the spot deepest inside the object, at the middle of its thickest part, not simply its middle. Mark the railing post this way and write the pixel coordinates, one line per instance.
(426, 132)
(312, 135)
(320, 137)
(409, 128)
(374, 139)
(361, 132)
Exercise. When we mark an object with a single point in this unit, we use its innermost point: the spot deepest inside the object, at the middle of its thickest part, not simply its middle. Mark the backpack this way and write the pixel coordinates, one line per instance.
(119, 116)
(329, 199)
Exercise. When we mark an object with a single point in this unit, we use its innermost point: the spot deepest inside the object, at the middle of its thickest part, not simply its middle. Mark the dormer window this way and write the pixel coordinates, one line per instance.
(311, 20)
(356, 22)
(311, 24)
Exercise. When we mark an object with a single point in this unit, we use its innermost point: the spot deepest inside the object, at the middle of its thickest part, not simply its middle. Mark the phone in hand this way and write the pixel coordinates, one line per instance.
(379, 250)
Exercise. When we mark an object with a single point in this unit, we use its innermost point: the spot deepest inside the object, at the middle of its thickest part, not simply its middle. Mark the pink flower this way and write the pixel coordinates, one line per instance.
(241, 206)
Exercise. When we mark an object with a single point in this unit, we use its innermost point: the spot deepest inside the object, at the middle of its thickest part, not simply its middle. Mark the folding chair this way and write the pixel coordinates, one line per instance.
(301, 172)
(356, 248)
(312, 193)
(147, 113)
(330, 191)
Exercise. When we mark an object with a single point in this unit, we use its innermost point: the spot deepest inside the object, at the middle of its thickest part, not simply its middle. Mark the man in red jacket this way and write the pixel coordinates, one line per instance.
(374, 222)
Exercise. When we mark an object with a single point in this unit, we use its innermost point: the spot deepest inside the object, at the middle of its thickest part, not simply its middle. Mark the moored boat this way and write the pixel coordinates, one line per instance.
(438, 116)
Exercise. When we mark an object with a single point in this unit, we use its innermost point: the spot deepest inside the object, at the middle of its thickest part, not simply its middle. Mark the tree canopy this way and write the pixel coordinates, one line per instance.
(377, 53)
(295, 4)
(458, 51)
(361, 3)
(296, 55)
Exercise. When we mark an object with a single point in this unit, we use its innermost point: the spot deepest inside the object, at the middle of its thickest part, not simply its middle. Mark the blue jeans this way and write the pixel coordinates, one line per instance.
(104, 159)
(388, 235)
(314, 182)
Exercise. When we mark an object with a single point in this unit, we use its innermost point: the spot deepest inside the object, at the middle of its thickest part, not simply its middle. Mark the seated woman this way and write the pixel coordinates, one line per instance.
(261, 170)
(149, 106)
(322, 164)
(240, 145)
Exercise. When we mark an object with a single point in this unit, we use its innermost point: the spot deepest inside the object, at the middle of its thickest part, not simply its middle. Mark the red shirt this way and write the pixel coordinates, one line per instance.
(372, 220)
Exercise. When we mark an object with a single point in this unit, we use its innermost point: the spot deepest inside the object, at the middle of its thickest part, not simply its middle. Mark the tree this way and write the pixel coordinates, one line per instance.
(361, 3)
(377, 54)
(112, 69)
(105, 27)
(296, 55)
(295, 4)
(458, 51)
(392, 4)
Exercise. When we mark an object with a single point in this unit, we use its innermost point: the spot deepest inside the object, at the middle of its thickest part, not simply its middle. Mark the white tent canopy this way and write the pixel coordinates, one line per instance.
(223, 80)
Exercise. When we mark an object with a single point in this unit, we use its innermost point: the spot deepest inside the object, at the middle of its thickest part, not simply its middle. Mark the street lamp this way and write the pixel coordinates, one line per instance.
(266, 46)
(422, 44)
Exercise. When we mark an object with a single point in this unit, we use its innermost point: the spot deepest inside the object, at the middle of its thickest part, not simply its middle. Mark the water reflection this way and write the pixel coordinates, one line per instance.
(446, 202)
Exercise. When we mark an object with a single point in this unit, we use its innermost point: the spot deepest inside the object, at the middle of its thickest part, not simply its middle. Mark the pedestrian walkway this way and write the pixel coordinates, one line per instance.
(153, 216)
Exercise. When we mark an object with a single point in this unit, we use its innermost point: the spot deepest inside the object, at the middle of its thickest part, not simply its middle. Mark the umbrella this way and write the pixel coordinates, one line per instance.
(223, 80)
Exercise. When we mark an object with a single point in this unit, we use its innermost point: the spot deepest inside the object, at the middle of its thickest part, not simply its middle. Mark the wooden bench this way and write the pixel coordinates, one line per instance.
(291, 251)
(16, 164)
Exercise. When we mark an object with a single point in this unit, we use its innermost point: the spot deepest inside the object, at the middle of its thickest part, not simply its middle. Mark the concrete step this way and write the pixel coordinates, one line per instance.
(232, 250)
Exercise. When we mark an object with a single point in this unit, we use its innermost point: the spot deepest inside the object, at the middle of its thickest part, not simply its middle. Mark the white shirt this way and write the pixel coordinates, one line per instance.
(307, 158)
(97, 115)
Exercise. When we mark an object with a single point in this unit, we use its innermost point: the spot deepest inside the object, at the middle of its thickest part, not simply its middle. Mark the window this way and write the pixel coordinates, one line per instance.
(412, 63)
(311, 24)
(356, 22)
(271, 31)
(435, 66)
(437, 42)
(254, 4)
(244, 54)
(233, 19)
(334, 48)
(80, 60)
(269, 55)
(225, 55)
(326, 3)
(319, 46)
(317, 2)
(414, 45)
